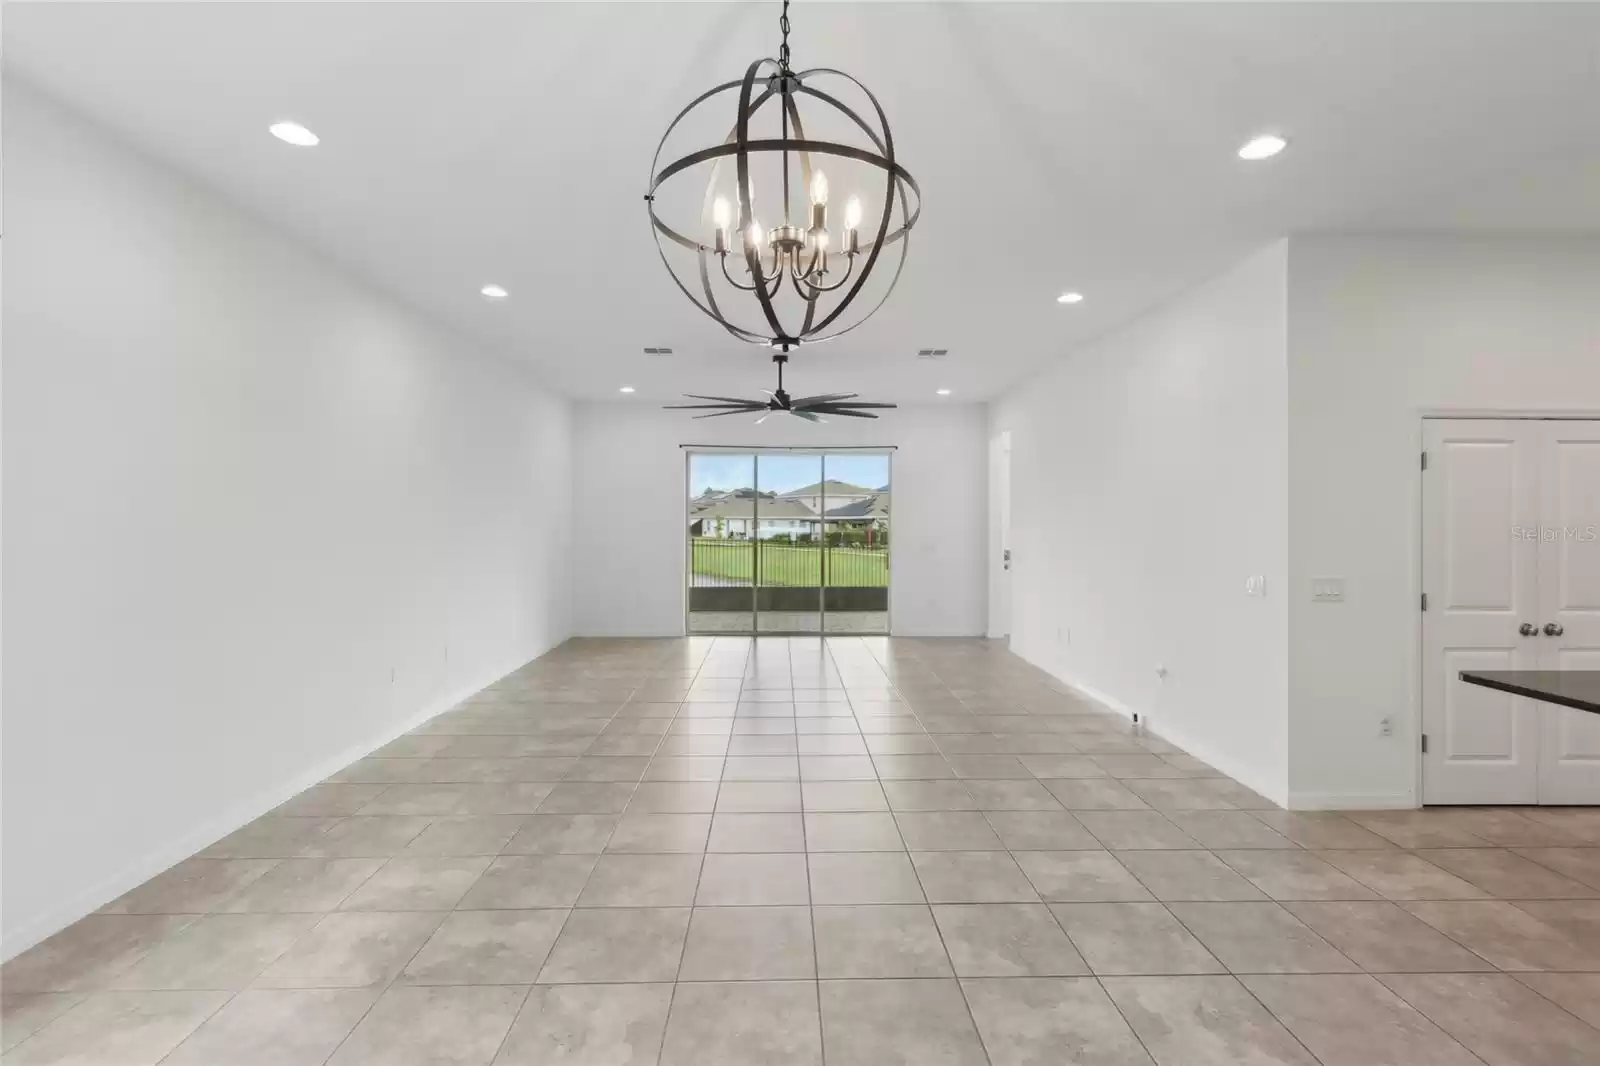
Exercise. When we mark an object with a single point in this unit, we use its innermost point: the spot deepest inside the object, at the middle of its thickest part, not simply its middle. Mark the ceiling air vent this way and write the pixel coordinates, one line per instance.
(932, 353)
(658, 351)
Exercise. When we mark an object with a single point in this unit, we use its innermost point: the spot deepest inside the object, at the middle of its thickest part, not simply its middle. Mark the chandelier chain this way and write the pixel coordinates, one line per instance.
(783, 49)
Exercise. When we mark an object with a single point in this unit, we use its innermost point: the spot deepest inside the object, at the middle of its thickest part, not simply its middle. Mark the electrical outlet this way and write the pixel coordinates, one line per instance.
(1327, 590)
(1386, 727)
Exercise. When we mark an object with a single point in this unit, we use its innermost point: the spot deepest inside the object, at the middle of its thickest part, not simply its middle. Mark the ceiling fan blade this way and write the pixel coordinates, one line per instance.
(763, 418)
(807, 401)
(808, 416)
(743, 404)
(852, 403)
(838, 411)
(724, 399)
(719, 414)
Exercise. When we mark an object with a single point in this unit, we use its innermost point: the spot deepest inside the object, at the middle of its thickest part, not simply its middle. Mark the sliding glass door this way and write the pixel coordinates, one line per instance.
(788, 541)
(855, 537)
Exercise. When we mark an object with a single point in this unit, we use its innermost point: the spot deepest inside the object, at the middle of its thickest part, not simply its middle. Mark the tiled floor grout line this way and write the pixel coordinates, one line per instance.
(1106, 992)
(950, 959)
(234, 994)
(811, 916)
(1424, 1014)
(393, 980)
(1246, 988)
(522, 1004)
(688, 926)
(1517, 977)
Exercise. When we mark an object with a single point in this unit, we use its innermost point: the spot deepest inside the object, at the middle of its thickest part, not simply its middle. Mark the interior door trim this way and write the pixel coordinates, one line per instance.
(1418, 504)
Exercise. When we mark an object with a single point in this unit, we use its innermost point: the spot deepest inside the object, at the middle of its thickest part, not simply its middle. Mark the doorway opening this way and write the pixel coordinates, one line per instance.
(783, 541)
(1000, 535)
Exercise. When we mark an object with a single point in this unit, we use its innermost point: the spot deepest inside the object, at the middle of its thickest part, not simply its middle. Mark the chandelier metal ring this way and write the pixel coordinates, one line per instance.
(799, 255)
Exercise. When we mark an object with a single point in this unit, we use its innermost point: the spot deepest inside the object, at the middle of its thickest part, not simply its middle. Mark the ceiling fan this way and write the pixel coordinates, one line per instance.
(810, 408)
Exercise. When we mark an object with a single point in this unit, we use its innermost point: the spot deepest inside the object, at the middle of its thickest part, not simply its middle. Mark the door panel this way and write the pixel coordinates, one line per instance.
(1000, 535)
(721, 515)
(1482, 583)
(790, 491)
(1569, 588)
(854, 537)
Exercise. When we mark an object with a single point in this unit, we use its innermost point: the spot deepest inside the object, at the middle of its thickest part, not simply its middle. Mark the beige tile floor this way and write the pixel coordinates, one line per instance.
(863, 852)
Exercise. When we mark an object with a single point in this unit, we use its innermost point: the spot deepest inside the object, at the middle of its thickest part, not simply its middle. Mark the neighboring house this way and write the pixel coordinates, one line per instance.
(874, 508)
(870, 515)
(736, 513)
(741, 514)
(826, 495)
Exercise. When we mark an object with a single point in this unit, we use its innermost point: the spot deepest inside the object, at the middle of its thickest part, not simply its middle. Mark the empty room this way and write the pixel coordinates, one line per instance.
(800, 533)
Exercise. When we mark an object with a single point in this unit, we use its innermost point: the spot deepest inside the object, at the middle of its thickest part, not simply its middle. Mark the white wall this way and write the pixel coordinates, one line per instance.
(258, 518)
(1381, 329)
(630, 495)
(1148, 482)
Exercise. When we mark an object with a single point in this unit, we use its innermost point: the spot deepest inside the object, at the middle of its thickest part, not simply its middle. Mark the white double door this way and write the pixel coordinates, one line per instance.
(1511, 570)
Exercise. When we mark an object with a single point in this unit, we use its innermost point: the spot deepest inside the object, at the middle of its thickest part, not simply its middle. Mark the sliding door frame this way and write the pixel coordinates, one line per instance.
(755, 452)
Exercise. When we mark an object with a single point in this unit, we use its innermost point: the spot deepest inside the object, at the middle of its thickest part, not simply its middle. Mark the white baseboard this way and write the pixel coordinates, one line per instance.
(1351, 801)
(1199, 749)
(214, 829)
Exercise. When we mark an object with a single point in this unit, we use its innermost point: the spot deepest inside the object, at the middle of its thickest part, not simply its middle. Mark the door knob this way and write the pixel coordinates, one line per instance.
(1528, 629)
(1553, 630)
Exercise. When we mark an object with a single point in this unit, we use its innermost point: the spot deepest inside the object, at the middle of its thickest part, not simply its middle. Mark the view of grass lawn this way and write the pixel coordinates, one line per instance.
(798, 565)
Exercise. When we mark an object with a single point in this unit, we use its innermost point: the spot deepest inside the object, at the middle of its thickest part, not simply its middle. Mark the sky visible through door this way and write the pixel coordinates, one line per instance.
(785, 473)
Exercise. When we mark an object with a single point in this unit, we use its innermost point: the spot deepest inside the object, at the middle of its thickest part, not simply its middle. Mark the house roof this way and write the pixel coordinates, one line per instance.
(875, 506)
(744, 507)
(743, 494)
(828, 488)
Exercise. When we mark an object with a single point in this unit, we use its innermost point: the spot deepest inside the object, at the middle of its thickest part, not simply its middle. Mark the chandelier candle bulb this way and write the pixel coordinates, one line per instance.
(720, 215)
(852, 219)
(819, 208)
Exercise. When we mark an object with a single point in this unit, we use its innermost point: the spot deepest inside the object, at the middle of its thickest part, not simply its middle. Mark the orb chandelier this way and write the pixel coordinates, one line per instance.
(798, 281)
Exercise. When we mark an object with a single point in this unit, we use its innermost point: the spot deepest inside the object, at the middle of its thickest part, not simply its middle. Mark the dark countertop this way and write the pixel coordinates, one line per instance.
(1570, 688)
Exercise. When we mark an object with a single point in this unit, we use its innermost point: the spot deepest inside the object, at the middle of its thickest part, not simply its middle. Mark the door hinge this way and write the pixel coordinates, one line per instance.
(1424, 601)
(1424, 743)
(1424, 460)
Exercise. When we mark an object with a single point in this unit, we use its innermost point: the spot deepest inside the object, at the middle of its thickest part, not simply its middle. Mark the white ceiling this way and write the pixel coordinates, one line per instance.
(1073, 146)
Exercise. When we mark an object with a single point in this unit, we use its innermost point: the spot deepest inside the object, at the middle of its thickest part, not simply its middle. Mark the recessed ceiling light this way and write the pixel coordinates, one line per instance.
(494, 292)
(1070, 298)
(942, 392)
(626, 388)
(293, 133)
(1265, 146)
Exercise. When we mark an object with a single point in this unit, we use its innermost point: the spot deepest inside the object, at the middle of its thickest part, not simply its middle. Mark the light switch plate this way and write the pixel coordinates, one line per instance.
(1327, 590)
